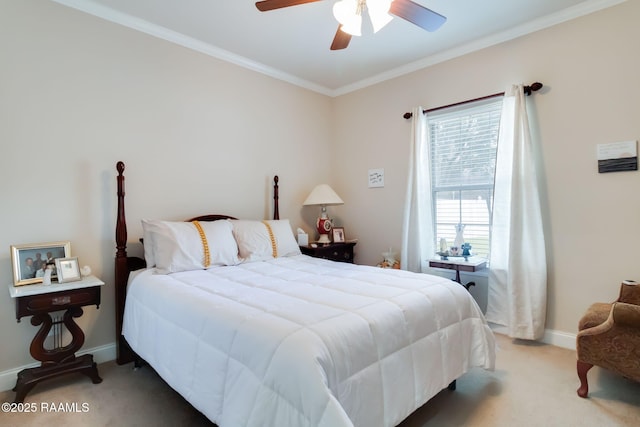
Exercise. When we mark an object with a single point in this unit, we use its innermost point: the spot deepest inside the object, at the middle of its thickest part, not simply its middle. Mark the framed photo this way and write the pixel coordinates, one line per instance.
(30, 261)
(68, 269)
(338, 234)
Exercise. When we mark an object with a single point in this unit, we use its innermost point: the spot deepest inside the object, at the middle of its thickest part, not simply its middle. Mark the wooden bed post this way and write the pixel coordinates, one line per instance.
(124, 353)
(276, 210)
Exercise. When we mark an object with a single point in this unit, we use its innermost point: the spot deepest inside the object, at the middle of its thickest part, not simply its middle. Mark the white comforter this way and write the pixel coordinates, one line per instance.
(301, 341)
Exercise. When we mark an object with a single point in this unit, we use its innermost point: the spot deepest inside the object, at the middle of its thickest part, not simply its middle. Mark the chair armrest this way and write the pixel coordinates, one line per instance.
(598, 329)
(626, 314)
(622, 314)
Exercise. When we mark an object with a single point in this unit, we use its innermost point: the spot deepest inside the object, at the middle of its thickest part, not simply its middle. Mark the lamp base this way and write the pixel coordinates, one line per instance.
(323, 225)
(324, 239)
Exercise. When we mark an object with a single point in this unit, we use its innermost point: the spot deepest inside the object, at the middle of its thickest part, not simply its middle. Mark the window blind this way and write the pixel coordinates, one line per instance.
(464, 141)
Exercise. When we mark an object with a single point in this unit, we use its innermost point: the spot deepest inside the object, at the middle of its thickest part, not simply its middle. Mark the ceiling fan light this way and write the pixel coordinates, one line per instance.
(346, 13)
(354, 26)
(344, 10)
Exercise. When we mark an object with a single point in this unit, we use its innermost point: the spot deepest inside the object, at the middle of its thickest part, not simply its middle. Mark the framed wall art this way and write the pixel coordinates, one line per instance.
(30, 260)
(376, 178)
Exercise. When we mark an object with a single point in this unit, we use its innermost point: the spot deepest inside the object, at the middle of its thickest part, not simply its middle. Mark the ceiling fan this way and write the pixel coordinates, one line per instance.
(349, 14)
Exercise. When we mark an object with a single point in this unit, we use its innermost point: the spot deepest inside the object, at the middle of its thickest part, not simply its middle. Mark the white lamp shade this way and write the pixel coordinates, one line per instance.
(323, 195)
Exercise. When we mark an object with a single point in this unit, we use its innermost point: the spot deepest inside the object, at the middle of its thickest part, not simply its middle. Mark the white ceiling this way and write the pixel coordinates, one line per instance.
(292, 44)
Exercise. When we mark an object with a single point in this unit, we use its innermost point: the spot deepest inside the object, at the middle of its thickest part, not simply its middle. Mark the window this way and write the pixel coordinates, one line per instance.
(464, 140)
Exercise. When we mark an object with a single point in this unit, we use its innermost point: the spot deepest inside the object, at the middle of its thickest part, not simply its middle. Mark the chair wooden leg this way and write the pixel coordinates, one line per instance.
(583, 368)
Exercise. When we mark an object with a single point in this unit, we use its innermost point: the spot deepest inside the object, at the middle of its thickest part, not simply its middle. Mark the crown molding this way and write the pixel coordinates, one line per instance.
(112, 15)
(568, 14)
(126, 20)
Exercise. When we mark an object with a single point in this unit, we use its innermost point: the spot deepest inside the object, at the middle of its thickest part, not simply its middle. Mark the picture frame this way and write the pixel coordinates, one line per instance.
(68, 269)
(338, 234)
(28, 260)
(376, 178)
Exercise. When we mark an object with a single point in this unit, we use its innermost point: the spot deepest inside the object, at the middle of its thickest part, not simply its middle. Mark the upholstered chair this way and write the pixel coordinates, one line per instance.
(609, 337)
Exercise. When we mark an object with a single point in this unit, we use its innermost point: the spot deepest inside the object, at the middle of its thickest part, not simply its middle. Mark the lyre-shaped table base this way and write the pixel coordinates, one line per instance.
(57, 361)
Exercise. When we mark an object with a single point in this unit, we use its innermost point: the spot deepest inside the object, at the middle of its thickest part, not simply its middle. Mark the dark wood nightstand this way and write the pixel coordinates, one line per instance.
(342, 252)
(39, 301)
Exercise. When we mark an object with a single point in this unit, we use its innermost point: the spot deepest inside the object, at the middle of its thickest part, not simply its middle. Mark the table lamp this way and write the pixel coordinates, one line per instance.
(324, 196)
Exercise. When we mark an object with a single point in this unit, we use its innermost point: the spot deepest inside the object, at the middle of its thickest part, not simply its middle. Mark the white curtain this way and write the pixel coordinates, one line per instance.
(518, 270)
(417, 226)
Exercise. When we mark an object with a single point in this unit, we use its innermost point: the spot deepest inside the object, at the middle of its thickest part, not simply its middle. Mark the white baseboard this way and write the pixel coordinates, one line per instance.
(101, 354)
(557, 338)
(560, 339)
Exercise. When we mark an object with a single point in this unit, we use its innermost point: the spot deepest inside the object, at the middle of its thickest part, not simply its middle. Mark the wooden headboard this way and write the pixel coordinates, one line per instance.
(125, 264)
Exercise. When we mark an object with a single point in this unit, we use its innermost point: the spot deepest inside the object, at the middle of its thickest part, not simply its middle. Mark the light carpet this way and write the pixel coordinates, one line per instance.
(533, 385)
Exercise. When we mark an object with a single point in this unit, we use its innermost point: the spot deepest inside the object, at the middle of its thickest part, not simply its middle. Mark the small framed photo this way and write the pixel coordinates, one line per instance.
(338, 234)
(68, 269)
(30, 261)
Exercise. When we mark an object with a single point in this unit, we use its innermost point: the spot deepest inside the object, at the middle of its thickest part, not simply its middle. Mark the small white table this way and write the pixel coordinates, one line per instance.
(38, 301)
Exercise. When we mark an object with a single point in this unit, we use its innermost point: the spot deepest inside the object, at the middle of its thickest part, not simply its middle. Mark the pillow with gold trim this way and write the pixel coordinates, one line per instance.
(181, 246)
(262, 240)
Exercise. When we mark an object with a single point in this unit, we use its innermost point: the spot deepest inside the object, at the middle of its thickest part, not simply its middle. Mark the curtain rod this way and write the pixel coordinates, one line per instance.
(527, 90)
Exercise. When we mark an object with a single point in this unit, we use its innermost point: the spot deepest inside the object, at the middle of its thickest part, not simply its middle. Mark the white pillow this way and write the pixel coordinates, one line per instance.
(178, 246)
(148, 243)
(255, 241)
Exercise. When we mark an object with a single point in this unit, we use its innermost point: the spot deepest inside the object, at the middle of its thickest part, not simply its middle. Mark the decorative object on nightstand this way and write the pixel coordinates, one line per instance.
(68, 269)
(463, 251)
(459, 240)
(338, 235)
(85, 271)
(48, 271)
(324, 196)
(30, 261)
(466, 250)
(389, 260)
(342, 252)
(39, 301)
(303, 238)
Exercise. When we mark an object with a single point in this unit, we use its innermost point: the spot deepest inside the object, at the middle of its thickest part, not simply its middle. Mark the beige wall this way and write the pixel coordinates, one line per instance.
(589, 67)
(198, 135)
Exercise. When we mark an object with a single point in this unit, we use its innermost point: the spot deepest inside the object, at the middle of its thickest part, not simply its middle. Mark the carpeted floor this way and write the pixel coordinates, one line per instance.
(533, 385)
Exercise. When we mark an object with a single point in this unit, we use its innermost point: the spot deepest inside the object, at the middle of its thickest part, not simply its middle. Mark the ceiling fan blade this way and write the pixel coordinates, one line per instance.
(266, 5)
(341, 40)
(417, 14)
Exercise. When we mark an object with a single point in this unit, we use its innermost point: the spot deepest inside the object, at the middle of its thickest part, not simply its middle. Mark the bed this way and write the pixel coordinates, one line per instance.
(253, 333)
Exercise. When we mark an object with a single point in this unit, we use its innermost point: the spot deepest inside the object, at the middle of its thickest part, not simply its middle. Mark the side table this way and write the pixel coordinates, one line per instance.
(458, 265)
(342, 252)
(39, 301)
